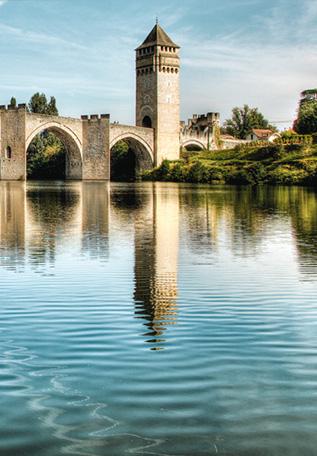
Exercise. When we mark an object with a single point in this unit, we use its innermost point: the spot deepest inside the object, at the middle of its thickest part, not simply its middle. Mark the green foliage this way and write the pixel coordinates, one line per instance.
(286, 175)
(46, 157)
(122, 162)
(243, 120)
(46, 153)
(272, 164)
(217, 136)
(198, 172)
(39, 105)
(51, 107)
(306, 122)
(13, 102)
(288, 134)
(178, 172)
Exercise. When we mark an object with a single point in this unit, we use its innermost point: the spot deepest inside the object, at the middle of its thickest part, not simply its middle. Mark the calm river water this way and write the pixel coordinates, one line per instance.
(157, 319)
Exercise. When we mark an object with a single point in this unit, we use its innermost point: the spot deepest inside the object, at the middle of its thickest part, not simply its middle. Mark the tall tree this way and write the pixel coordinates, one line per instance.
(306, 122)
(13, 102)
(243, 120)
(51, 107)
(38, 103)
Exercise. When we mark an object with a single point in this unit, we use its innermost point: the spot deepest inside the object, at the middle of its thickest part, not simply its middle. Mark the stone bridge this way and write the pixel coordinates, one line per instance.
(88, 142)
(205, 140)
(196, 139)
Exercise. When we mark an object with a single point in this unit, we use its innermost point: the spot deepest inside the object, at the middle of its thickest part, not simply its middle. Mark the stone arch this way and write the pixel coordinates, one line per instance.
(193, 142)
(141, 149)
(73, 146)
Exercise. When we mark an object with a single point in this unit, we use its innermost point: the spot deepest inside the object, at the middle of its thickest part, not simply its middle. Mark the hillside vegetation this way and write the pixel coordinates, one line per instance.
(290, 164)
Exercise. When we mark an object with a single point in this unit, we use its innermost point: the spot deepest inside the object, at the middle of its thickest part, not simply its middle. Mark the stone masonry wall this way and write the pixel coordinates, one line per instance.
(12, 143)
(96, 147)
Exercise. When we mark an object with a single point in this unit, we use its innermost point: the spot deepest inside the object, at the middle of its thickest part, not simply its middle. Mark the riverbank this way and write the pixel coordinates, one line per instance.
(291, 164)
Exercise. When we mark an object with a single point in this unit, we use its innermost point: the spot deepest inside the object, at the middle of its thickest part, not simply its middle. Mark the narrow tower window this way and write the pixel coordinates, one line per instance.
(147, 122)
(8, 152)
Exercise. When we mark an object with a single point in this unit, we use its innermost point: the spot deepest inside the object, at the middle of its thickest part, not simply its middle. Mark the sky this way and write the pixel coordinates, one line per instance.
(233, 52)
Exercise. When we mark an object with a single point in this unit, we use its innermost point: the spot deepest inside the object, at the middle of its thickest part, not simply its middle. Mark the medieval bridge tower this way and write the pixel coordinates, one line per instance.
(157, 92)
(88, 141)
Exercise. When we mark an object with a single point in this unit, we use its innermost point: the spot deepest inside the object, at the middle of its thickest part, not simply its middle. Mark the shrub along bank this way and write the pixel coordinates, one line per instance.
(290, 164)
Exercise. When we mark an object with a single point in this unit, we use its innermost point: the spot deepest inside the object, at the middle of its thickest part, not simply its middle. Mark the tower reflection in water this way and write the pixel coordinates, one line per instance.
(156, 261)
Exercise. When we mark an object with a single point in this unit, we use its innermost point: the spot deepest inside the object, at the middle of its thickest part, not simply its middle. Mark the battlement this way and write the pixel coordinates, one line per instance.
(19, 107)
(94, 117)
(201, 121)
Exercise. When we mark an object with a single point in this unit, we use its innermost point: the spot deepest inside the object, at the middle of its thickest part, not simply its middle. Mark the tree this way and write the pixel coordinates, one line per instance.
(306, 122)
(38, 103)
(46, 153)
(122, 162)
(13, 102)
(51, 107)
(243, 120)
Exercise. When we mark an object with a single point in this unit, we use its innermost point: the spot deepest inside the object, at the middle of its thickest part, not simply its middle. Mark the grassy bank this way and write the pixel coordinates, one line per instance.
(291, 164)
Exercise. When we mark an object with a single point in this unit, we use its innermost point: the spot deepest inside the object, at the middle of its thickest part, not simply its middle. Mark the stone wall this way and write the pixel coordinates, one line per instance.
(96, 147)
(12, 143)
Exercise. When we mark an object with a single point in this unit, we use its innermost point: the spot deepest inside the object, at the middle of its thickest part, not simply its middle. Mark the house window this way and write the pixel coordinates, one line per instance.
(8, 152)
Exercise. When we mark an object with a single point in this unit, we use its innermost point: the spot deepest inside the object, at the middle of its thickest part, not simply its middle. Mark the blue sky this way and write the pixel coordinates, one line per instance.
(262, 53)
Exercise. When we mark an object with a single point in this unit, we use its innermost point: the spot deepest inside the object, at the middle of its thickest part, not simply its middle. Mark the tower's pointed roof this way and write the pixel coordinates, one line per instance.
(157, 37)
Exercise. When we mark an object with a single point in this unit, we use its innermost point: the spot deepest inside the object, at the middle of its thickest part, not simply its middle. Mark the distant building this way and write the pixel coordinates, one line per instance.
(199, 131)
(258, 134)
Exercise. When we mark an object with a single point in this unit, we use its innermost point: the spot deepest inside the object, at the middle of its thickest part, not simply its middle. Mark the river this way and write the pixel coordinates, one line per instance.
(157, 319)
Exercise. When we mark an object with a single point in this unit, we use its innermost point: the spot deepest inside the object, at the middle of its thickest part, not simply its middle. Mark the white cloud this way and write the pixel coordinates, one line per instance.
(264, 59)
(265, 66)
(38, 38)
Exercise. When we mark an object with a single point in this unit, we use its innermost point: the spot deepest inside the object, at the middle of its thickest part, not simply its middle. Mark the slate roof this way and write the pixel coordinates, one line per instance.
(157, 37)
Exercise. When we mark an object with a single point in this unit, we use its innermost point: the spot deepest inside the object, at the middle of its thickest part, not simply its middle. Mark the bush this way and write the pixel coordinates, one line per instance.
(178, 172)
(273, 152)
(198, 172)
(217, 174)
(274, 163)
(287, 176)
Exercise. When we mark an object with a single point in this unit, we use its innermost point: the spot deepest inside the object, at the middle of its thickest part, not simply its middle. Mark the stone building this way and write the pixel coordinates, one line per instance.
(157, 91)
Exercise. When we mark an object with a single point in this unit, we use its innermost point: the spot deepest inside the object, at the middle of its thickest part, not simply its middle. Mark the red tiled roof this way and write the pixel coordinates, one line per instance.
(262, 133)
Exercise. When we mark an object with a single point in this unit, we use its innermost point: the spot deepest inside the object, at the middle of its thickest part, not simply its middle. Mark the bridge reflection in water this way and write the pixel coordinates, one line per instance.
(40, 221)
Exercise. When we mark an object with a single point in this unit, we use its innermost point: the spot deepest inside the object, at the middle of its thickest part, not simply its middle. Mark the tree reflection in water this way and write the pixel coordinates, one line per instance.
(39, 220)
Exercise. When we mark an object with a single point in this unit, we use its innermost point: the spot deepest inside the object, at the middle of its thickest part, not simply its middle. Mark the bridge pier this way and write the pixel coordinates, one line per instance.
(96, 147)
(12, 143)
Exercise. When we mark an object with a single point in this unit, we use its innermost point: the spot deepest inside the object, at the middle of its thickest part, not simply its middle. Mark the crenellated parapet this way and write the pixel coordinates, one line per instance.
(203, 131)
(19, 107)
(200, 131)
(94, 117)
